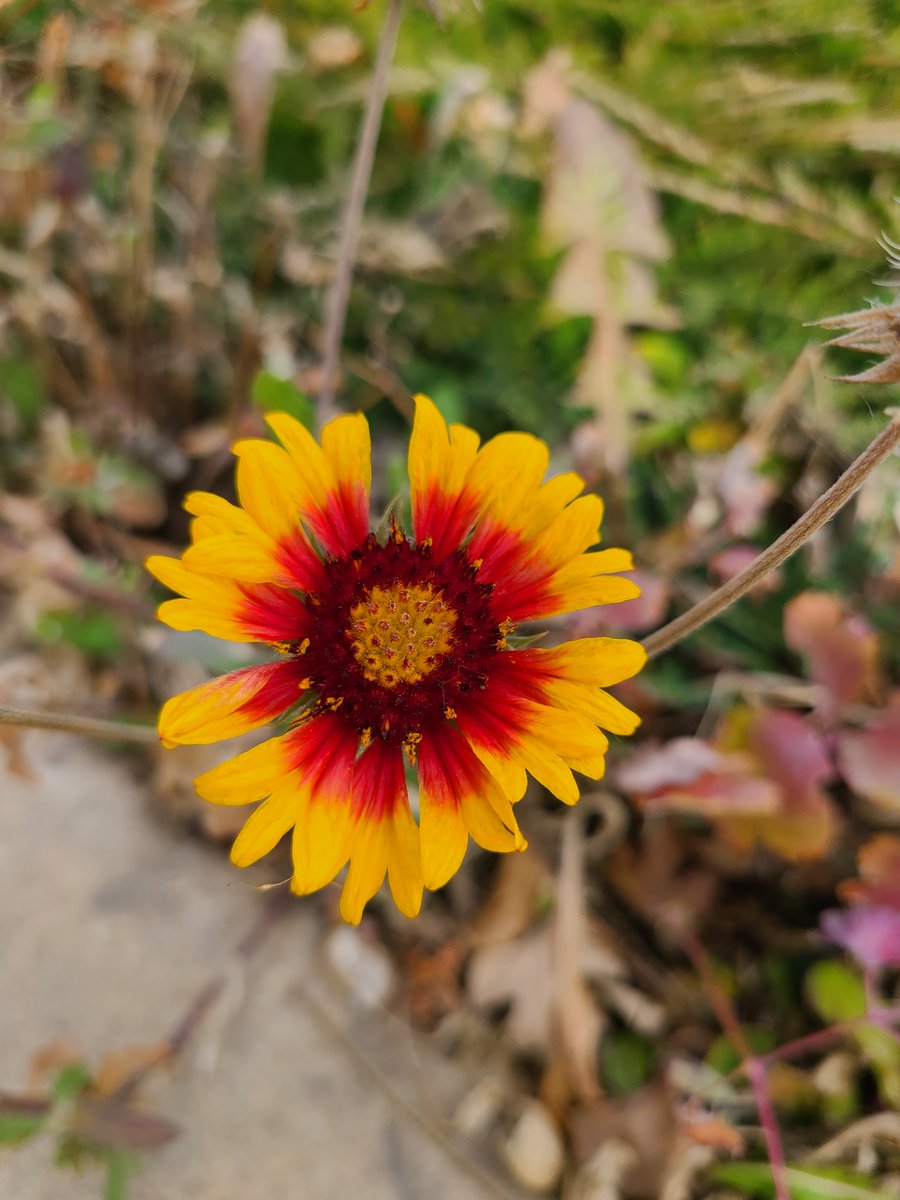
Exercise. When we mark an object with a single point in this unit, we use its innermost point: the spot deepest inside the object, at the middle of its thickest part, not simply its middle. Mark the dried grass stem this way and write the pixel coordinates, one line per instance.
(813, 519)
(339, 295)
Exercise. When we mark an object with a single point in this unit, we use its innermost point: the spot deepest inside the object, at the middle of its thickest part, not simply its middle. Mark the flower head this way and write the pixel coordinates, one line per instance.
(396, 649)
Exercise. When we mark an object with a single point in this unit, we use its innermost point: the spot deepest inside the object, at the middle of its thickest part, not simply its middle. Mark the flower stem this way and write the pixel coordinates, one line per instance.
(339, 294)
(812, 520)
(111, 731)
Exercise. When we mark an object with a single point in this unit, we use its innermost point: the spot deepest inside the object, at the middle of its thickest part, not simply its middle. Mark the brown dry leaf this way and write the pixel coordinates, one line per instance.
(47, 1061)
(334, 47)
(519, 885)
(118, 1066)
(646, 1121)
(599, 210)
(543, 975)
(793, 756)
(261, 54)
(879, 869)
(433, 981)
(657, 879)
(710, 1129)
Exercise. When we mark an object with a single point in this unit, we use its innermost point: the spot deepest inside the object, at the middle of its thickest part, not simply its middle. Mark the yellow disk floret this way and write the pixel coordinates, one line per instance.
(399, 633)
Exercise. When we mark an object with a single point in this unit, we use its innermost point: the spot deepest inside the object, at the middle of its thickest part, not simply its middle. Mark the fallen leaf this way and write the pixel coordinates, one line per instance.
(261, 54)
(869, 932)
(645, 1121)
(879, 867)
(118, 1066)
(710, 1129)
(759, 781)
(869, 758)
(840, 648)
(793, 756)
(533, 1151)
(690, 775)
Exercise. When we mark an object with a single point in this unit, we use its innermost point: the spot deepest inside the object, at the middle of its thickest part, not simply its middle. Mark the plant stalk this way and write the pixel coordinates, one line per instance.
(110, 731)
(813, 519)
(339, 294)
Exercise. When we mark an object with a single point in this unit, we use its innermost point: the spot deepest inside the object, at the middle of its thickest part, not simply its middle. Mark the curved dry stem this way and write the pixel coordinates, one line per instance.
(110, 731)
(339, 295)
(813, 519)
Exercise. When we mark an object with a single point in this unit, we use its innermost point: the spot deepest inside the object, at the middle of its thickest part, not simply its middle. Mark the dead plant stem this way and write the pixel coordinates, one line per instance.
(813, 519)
(339, 294)
(110, 731)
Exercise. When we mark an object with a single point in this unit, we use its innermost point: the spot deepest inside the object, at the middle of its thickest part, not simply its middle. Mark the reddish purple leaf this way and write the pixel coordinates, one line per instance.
(869, 758)
(870, 932)
(840, 648)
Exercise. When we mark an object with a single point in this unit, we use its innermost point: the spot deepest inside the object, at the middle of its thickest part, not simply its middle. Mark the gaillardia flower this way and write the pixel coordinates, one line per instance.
(396, 648)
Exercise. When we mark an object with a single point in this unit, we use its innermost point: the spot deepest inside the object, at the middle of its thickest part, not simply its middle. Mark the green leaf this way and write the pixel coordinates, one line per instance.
(22, 385)
(805, 1183)
(626, 1060)
(835, 991)
(522, 642)
(18, 1127)
(117, 1176)
(96, 633)
(272, 394)
(71, 1081)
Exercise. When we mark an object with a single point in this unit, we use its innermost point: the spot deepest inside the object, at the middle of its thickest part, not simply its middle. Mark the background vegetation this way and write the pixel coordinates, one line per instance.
(606, 222)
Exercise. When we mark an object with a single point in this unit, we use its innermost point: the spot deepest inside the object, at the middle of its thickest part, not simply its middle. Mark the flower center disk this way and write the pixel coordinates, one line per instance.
(399, 633)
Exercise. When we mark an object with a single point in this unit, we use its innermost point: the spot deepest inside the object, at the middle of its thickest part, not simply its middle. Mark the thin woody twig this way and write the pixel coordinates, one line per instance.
(754, 1066)
(339, 295)
(812, 520)
(110, 731)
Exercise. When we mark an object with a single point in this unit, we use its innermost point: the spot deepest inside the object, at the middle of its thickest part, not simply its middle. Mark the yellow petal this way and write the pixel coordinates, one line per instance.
(368, 867)
(507, 473)
(509, 773)
(444, 839)
(429, 448)
(269, 487)
(235, 557)
(320, 845)
(599, 662)
(216, 620)
(348, 449)
(223, 516)
(250, 776)
(404, 866)
(266, 826)
(487, 829)
(306, 455)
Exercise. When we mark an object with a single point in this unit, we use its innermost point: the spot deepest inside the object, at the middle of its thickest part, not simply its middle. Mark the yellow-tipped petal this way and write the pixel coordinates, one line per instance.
(368, 867)
(487, 829)
(265, 827)
(269, 487)
(444, 837)
(348, 449)
(405, 862)
(306, 454)
(250, 776)
(320, 845)
(235, 557)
